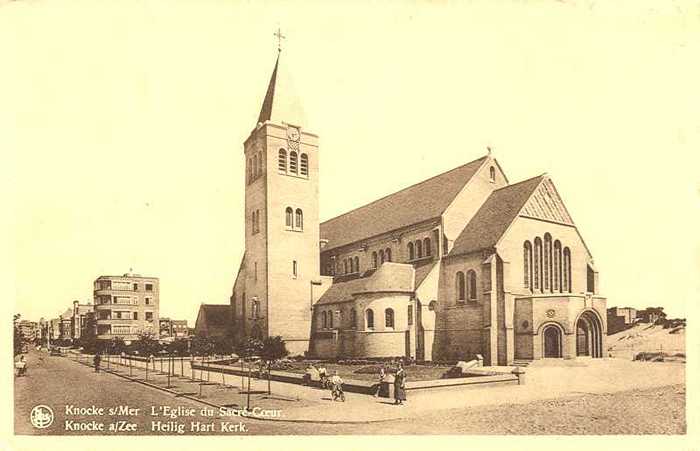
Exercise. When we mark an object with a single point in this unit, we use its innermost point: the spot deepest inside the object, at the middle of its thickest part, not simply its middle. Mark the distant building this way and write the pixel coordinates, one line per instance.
(65, 325)
(621, 318)
(54, 331)
(79, 318)
(126, 306)
(651, 314)
(29, 330)
(176, 328)
(213, 320)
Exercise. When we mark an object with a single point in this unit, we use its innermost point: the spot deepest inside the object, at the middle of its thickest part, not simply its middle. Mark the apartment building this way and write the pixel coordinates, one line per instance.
(126, 306)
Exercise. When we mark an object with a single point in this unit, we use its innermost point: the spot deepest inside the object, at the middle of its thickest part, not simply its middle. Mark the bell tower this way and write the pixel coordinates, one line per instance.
(282, 226)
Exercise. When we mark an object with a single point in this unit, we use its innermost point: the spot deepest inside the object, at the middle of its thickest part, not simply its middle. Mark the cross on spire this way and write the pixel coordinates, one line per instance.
(279, 36)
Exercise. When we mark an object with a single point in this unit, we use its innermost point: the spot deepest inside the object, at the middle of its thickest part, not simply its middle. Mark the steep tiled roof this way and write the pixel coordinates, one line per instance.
(412, 205)
(495, 215)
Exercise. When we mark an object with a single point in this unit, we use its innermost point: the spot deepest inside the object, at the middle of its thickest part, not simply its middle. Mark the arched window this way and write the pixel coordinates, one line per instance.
(411, 252)
(353, 318)
(389, 318)
(427, 247)
(255, 165)
(527, 265)
(260, 163)
(345, 266)
(254, 309)
(357, 264)
(566, 282)
(282, 160)
(299, 219)
(492, 174)
(250, 170)
(289, 217)
(556, 257)
(381, 257)
(295, 268)
(374, 259)
(547, 263)
(370, 319)
(324, 320)
(330, 319)
(460, 286)
(304, 164)
(293, 162)
(409, 313)
(387, 254)
(471, 280)
(419, 249)
(252, 222)
(538, 264)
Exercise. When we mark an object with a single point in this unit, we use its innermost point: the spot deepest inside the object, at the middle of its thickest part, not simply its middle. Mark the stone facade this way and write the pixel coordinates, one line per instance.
(461, 264)
(126, 306)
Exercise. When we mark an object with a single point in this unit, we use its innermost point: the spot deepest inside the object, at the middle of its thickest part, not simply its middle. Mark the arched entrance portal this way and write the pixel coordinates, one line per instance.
(552, 342)
(589, 335)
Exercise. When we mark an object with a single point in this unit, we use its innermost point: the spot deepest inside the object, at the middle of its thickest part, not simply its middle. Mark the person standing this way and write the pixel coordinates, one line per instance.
(97, 359)
(399, 385)
(382, 376)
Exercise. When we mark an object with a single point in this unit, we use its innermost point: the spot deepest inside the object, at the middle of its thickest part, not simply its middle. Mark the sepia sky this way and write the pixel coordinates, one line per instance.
(124, 120)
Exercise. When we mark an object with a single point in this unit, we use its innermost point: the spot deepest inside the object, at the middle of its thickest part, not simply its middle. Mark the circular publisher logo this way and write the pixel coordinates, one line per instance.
(41, 416)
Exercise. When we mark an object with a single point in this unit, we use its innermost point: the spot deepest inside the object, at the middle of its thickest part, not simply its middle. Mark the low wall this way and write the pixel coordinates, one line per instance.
(366, 387)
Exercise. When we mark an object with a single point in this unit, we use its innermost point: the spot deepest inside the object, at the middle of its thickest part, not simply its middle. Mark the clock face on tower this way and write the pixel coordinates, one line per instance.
(293, 133)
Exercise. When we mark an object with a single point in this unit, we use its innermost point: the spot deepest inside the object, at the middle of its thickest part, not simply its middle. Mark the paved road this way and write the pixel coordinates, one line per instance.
(59, 382)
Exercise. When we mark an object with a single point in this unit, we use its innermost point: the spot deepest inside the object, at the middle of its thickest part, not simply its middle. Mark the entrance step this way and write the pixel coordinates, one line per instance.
(521, 362)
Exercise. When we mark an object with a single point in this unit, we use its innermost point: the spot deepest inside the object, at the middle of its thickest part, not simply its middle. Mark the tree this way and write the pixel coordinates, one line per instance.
(88, 339)
(273, 348)
(246, 348)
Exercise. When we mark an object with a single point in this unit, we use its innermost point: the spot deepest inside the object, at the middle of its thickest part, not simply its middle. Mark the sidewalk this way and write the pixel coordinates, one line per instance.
(306, 404)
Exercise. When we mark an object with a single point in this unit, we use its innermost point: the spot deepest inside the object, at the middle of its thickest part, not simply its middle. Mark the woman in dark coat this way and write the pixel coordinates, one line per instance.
(399, 385)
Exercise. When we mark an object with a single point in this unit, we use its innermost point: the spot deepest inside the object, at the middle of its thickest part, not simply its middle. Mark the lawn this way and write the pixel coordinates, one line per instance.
(413, 372)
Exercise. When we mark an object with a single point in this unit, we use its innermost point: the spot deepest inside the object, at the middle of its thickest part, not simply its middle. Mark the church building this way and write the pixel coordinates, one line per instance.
(461, 264)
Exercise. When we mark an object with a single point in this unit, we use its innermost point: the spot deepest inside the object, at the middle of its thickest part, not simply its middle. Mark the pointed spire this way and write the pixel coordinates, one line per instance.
(281, 104)
(266, 110)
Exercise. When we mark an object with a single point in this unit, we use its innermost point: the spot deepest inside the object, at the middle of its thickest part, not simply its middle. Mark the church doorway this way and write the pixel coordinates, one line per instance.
(589, 335)
(552, 342)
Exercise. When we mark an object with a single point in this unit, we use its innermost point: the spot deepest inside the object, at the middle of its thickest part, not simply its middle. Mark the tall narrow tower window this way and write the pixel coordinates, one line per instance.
(492, 174)
(289, 218)
(282, 160)
(304, 164)
(382, 257)
(299, 219)
(295, 268)
(387, 255)
(537, 284)
(293, 162)
(374, 259)
(527, 265)
(260, 163)
(357, 264)
(547, 262)
(411, 251)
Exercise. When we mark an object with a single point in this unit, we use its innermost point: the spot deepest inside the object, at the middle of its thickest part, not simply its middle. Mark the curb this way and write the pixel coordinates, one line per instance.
(210, 404)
